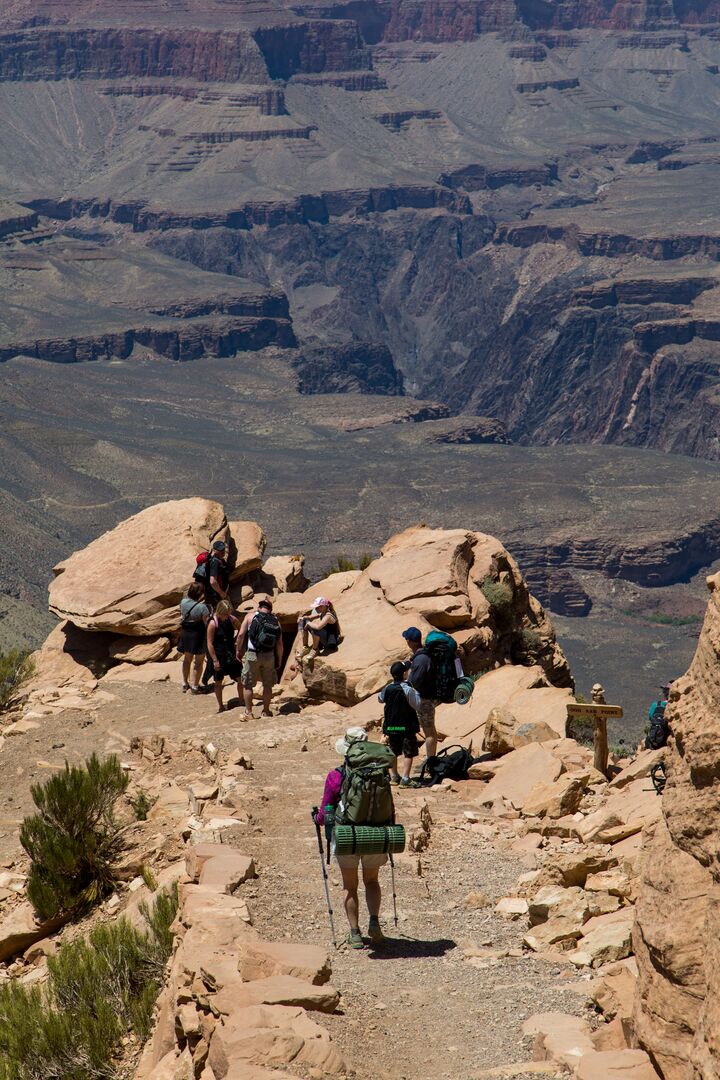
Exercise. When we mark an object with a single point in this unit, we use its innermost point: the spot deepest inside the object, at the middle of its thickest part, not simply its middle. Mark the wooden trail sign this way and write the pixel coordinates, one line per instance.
(575, 710)
(599, 713)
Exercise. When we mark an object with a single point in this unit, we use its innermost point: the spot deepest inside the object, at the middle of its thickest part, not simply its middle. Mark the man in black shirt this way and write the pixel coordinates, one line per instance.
(217, 575)
(420, 676)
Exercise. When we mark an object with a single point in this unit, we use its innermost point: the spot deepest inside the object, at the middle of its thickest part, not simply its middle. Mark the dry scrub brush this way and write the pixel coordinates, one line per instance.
(74, 840)
(100, 989)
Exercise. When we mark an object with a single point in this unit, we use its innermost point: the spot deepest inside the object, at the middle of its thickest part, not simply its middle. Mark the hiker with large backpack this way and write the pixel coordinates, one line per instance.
(221, 649)
(659, 730)
(421, 676)
(194, 615)
(400, 725)
(358, 793)
(260, 647)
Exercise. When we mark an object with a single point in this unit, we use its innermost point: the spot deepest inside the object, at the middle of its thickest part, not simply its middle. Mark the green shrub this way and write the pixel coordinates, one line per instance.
(499, 596)
(341, 566)
(365, 561)
(16, 667)
(141, 805)
(73, 840)
(99, 989)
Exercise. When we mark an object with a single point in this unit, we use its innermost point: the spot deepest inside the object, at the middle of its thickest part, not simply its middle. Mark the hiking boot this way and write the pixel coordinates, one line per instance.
(395, 780)
(375, 931)
(354, 939)
(410, 782)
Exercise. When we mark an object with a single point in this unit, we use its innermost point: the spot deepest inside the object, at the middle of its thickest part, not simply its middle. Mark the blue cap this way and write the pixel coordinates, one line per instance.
(412, 634)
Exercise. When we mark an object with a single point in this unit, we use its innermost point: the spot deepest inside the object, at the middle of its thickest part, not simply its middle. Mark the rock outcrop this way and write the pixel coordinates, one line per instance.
(455, 580)
(677, 1014)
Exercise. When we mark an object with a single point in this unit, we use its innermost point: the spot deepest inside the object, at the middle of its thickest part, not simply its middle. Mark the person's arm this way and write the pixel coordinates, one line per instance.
(279, 653)
(241, 643)
(412, 695)
(211, 643)
(216, 586)
(381, 695)
(331, 794)
(318, 624)
(205, 614)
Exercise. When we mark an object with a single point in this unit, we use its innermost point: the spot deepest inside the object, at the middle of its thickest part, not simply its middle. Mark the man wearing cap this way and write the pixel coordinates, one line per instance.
(321, 624)
(420, 676)
(260, 647)
(217, 575)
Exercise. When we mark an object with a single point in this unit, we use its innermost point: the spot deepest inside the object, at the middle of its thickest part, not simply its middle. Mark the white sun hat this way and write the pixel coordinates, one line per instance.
(352, 735)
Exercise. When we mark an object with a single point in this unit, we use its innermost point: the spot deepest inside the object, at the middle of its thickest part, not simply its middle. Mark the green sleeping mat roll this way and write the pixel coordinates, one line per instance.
(464, 690)
(368, 839)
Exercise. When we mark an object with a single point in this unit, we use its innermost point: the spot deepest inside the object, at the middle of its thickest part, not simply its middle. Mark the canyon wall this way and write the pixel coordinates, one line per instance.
(676, 937)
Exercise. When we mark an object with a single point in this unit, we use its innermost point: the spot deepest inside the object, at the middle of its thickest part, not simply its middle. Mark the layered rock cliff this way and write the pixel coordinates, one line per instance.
(677, 1014)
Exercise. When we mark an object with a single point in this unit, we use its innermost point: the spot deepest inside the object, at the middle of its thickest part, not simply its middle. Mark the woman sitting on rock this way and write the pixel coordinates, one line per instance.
(322, 625)
(221, 632)
(194, 614)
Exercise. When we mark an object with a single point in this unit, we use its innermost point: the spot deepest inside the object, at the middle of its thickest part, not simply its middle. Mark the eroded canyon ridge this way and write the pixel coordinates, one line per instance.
(505, 210)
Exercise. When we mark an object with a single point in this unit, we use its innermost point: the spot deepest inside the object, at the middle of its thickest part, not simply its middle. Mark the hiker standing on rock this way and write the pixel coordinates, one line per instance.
(420, 677)
(217, 575)
(194, 615)
(260, 643)
(349, 864)
(221, 649)
(400, 724)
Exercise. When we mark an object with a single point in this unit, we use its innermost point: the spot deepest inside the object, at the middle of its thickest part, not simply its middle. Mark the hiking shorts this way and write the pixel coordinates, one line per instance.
(404, 744)
(369, 862)
(426, 716)
(229, 668)
(259, 667)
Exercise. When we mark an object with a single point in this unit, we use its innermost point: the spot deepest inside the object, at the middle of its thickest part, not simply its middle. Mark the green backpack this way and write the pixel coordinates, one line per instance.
(365, 796)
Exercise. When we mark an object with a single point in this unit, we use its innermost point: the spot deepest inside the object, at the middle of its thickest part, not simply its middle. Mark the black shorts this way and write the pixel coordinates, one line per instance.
(192, 639)
(403, 744)
(230, 668)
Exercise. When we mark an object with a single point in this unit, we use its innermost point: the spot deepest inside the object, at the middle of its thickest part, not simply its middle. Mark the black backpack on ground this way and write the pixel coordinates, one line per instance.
(659, 732)
(264, 632)
(448, 766)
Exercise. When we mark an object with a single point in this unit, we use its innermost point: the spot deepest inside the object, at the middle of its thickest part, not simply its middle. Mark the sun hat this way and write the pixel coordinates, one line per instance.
(321, 601)
(412, 634)
(352, 735)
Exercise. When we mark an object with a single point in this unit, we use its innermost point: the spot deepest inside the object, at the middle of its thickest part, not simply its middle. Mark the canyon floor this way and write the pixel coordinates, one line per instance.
(416, 1009)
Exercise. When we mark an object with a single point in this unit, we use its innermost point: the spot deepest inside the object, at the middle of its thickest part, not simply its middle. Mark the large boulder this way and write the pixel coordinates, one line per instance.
(455, 580)
(678, 910)
(131, 579)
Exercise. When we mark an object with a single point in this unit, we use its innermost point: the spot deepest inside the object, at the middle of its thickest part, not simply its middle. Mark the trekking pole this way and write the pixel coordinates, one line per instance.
(313, 812)
(394, 896)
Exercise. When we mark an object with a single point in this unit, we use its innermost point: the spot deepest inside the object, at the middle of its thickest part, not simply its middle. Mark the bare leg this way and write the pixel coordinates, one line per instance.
(248, 699)
(187, 658)
(350, 885)
(430, 733)
(267, 698)
(405, 767)
(219, 694)
(373, 893)
(197, 670)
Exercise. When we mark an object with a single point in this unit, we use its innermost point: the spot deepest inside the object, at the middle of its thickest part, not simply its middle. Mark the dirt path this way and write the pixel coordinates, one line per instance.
(415, 1009)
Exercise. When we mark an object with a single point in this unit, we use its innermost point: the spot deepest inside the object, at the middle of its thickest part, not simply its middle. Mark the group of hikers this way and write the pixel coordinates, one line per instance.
(218, 644)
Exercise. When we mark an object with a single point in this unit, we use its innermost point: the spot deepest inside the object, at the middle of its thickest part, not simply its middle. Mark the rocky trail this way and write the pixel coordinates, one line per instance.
(447, 995)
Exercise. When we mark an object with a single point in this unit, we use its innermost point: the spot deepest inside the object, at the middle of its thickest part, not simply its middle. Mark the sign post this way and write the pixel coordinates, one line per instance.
(599, 712)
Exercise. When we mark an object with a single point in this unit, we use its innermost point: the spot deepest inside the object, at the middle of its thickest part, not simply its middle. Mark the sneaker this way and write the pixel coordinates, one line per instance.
(394, 779)
(354, 940)
(375, 931)
(186, 687)
(410, 782)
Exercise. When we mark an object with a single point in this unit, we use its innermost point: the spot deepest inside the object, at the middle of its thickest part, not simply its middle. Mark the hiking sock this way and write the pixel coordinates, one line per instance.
(354, 939)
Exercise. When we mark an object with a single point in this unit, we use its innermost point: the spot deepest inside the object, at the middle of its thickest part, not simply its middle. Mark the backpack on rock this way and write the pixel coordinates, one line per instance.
(366, 795)
(448, 766)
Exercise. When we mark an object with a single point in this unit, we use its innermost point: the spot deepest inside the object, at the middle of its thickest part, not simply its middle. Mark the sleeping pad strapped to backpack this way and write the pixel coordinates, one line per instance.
(442, 650)
(365, 796)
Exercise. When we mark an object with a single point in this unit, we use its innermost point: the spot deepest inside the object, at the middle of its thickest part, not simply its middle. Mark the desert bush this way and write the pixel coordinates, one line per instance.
(15, 669)
(141, 805)
(340, 566)
(99, 989)
(499, 596)
(74, 840)
(365, 560)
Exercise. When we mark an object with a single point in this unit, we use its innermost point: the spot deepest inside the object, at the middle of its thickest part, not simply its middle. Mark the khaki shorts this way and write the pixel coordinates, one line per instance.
(259, 667)
(426, 716)
(370, 862)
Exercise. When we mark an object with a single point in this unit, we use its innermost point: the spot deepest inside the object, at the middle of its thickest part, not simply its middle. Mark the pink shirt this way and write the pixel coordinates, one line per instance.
(331, 794)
